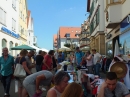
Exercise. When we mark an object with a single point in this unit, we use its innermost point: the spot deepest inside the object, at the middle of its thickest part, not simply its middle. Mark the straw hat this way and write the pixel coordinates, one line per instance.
(119, 68)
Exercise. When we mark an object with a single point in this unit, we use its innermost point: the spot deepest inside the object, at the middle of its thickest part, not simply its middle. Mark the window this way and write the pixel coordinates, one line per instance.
(67, 35)
(14, 4)
(2, 16)
(4, 43)
(13, 25)
(10, 46)
(109, 49)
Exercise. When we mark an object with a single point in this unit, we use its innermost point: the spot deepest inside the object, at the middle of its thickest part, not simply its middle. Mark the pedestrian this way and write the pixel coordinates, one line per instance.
(7, 68)
(39, 60)
(29, 61)
(96, 61)
(47, 62)
(89, 59)
(112, 88)
(73, 90)
(60, 81)
(22, 60)
(32, 82)
(78, 56)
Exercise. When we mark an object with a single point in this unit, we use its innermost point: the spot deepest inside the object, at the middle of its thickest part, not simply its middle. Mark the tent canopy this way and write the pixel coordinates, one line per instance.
(22, 47)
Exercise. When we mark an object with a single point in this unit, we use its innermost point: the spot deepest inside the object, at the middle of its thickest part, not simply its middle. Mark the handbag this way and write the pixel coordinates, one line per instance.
(19, 70)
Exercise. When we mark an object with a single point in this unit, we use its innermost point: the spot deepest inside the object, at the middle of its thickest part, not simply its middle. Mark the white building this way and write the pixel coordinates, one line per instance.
(97, 24)
(9, 36)
(31, 38)
(68, 35)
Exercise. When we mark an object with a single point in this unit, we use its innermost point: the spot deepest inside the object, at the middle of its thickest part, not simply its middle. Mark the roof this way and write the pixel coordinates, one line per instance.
(69, 30)
(28, 16)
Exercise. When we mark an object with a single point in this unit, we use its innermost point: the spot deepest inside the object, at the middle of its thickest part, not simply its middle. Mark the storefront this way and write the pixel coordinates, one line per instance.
(8, 39)
(124, 38)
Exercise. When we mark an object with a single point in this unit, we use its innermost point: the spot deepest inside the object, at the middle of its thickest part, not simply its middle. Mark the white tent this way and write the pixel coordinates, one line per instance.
(43, 49)
(116, 51)
(37, 49)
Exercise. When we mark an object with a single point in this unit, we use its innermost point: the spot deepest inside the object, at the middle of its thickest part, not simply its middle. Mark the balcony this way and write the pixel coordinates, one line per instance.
(113, 13)
(84, 43)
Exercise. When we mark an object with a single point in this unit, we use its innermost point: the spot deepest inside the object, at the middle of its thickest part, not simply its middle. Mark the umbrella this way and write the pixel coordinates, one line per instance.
(64, 49)
(116, 52)
(22, 47)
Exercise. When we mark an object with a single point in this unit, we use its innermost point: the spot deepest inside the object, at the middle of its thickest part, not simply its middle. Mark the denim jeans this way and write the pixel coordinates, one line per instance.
(38, 68)
(6, 80)
(97, 69)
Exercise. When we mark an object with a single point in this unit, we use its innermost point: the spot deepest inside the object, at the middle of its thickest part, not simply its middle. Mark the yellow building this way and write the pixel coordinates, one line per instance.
(23, 21)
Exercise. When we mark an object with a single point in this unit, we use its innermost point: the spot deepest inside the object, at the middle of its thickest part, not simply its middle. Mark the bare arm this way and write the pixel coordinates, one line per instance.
(127, 95)
(102, 89)
(51, 93)
(38, 80)
(89, 57)
(101, 92)
(24, 64)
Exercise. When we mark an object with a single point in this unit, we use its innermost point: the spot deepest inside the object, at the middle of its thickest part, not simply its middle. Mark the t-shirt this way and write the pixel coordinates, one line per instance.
(48, 61)
(31, 79)
(39, 59)
(79, 56)
(21, 60)
(6, 65)
(96, 58)
(29, 62)
(120, 90)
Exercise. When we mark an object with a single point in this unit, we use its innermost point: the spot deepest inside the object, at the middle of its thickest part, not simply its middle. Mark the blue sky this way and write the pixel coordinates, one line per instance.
(49, 15)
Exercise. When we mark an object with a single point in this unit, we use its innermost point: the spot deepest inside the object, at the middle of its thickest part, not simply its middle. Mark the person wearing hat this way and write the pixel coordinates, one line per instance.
(121, 69)
(78, 56)
(112, 88)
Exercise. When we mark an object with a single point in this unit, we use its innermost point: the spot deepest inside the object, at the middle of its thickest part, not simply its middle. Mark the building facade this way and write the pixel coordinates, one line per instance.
(9, 25)
(97, 24)
(84, 37)
(23, 11)
(117, 23)
(55, 41)
(31, 38)
(68, 35)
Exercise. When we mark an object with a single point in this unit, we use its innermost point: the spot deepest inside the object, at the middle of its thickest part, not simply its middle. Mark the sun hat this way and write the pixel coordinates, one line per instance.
(120, 69)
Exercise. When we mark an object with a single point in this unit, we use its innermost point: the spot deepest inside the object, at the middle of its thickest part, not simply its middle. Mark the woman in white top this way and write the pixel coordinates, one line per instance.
(61, 81)
(89, 59)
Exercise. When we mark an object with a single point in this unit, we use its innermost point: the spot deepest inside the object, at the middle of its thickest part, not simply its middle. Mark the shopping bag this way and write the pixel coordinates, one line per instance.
(19, 71)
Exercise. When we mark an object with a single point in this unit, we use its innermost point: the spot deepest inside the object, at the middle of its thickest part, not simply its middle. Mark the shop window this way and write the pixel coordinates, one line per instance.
(109, 49)
(4, 43)
(125, 43)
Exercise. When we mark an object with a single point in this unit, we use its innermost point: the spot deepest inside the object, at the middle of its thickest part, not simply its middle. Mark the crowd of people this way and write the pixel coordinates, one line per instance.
(46, 74)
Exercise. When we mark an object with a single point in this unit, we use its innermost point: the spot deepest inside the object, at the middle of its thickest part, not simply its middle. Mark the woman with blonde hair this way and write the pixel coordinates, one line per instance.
(73, 90)
(21, 59)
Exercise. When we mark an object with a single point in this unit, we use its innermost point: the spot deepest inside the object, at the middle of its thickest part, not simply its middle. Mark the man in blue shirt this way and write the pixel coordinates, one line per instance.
(6, 64)
(78, 56)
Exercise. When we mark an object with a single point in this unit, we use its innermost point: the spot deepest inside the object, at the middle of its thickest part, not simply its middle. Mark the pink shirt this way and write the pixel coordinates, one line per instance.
(48, 60)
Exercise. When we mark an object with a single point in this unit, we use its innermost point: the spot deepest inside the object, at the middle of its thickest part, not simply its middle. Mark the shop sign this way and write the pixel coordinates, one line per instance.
(125, 24)
(5, 30)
